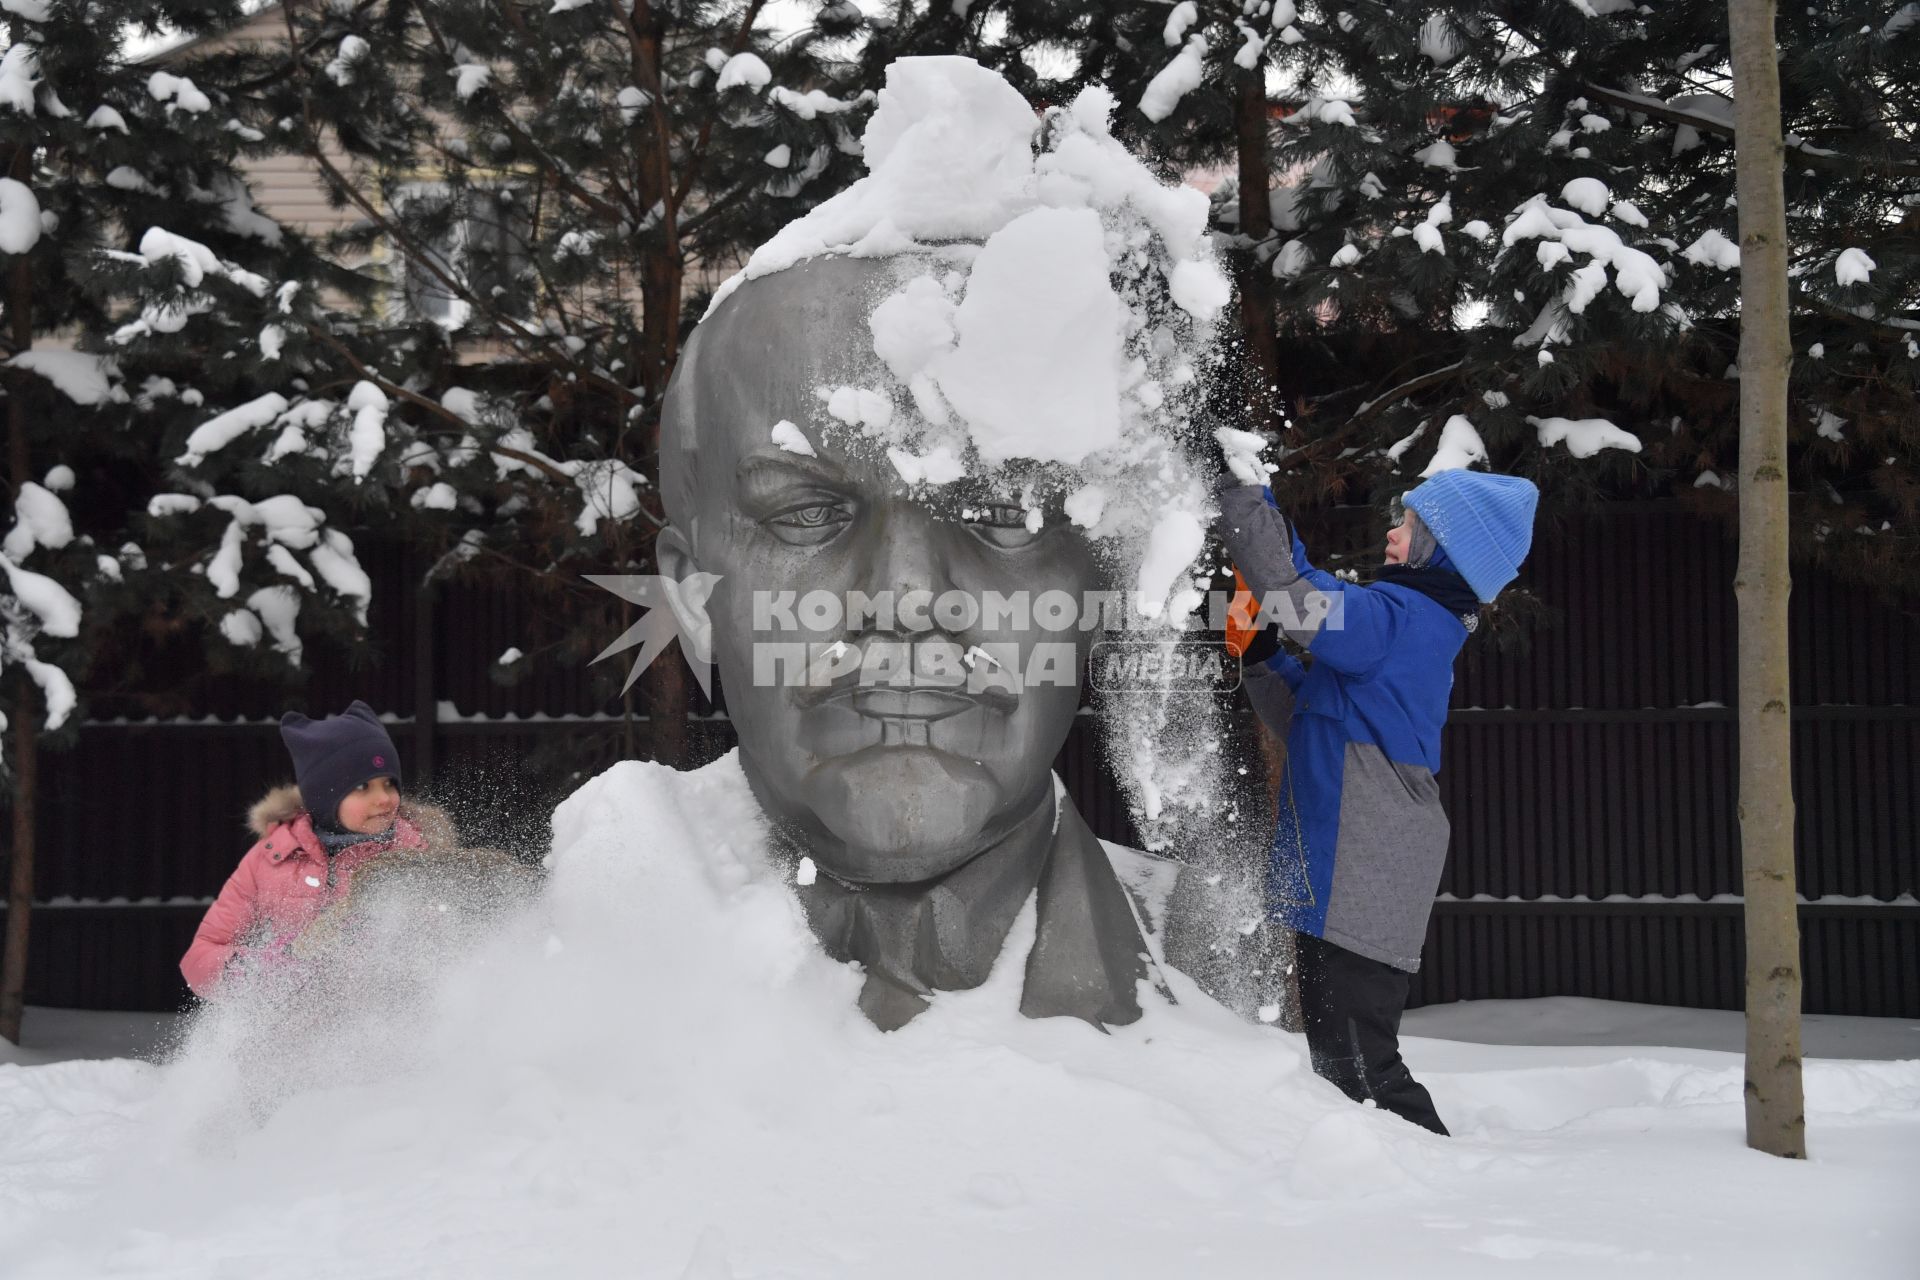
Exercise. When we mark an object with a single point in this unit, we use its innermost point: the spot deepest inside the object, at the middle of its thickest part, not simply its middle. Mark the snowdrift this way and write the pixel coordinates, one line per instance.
(655, 1072)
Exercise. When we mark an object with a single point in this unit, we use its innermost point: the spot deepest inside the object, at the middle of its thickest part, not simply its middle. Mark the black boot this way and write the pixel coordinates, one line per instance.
(1352, 1008)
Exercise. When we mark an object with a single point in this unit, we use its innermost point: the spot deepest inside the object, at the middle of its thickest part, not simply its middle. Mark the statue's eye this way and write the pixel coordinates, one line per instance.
(999, 515)
(810, 523)
(1002, 524)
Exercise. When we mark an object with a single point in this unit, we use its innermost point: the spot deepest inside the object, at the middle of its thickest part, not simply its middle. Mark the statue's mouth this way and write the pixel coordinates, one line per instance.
(911, 704)
(905, 715)
(905, 688)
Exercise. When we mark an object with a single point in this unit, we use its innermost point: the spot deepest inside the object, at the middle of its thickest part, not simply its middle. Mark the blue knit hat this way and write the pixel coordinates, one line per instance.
(333, 756)
(1482, 520)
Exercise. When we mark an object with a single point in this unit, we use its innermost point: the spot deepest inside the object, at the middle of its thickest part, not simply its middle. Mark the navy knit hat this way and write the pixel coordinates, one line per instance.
(333, 756)
(1482, 520)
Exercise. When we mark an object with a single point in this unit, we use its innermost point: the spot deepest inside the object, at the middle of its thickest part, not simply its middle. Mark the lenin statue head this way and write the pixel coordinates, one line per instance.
(910, 468)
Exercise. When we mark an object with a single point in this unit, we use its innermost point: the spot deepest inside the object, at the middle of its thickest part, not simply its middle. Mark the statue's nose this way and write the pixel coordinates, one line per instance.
(909, 551)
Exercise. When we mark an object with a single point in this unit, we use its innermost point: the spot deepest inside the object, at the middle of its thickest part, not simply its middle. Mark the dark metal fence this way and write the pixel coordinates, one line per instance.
(1590, 780)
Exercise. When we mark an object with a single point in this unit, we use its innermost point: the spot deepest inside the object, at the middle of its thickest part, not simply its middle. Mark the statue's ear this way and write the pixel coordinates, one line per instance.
(687, 590)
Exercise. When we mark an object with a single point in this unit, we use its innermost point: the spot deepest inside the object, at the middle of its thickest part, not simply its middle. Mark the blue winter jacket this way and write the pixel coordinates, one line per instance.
(1361, 838)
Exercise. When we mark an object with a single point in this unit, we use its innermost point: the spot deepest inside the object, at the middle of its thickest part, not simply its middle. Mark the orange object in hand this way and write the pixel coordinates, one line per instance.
(1242, 617)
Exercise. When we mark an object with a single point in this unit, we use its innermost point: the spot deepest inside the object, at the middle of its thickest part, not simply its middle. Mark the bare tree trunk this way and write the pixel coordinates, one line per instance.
(662, 281)
(13, 960)
(1260, 362)
(13, 953)
(1776, 1120)
(662, 271)
(426, 707)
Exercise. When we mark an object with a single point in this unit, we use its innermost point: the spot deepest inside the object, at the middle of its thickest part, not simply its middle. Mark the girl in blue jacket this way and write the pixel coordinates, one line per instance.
(1361, 838)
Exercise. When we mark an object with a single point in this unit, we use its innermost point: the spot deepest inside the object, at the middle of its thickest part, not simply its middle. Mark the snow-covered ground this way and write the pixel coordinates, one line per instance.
(61, 1035)
(655, 1072)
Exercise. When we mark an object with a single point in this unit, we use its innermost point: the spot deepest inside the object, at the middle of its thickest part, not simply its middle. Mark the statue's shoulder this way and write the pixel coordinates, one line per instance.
(1149, 877)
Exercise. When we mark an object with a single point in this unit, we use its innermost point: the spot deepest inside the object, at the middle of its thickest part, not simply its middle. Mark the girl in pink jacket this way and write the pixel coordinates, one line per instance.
(344, 813)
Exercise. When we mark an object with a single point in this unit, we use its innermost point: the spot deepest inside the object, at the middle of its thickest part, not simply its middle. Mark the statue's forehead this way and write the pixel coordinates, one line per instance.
(770, 347)
(814, 316)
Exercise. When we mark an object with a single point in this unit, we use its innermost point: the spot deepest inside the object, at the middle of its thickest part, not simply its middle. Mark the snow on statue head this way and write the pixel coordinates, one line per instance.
(929, 433)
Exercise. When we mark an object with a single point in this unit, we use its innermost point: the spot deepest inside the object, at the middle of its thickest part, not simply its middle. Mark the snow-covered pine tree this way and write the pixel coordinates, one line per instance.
(1530, 209)
(122, 215)
(545, 194)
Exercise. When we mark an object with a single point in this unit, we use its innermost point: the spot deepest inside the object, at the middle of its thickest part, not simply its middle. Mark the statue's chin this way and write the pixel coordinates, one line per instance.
(902, 813)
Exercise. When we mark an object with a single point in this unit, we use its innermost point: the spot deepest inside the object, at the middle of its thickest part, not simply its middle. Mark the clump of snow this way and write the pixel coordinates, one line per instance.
(438, 496)
(278, 608)
(1460, 447)
(1583, 437)
(790, 438)
(1438, 43)
(1439, 154)
(242, 628)
(949, 156)
(1853, 266)
(1172, 547)
(1181, 17)
(83, 378)
(939, 465)
(367, 437)
(40, 519)
(352, 51)
(1241, 451)
(51, 604)
(1036, 338)
(470, 78)
(222, 430)
(1398, 449)
(180, 94)
(814, 102)
(332, 555)
(1252, 45)
(1086, 505)
(1175, 80)
(1589, 195)
(744, 70)
(1713, 250)
(20, 76)
(1327, 110)
(20, 226)
(1427, 233)
(1635, 273)
(56, 686)
(609, 490)
(1628, 212)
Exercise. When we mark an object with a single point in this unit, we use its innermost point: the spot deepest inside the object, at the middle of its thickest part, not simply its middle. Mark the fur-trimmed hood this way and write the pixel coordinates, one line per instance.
(283, 804)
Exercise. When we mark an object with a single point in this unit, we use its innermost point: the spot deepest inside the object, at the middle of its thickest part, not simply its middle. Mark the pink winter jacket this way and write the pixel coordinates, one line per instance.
(279, 887)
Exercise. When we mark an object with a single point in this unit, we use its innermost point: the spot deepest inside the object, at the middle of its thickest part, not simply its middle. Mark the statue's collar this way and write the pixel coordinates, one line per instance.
(1088, 954)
